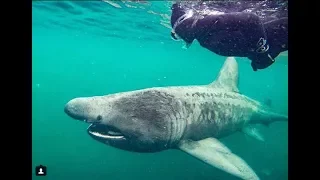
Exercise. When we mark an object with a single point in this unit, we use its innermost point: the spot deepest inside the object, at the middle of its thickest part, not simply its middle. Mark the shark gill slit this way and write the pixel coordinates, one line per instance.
(170, 131)
(176, 124)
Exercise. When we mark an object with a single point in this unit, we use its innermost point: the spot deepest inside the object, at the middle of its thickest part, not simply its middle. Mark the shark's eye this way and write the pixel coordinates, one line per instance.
(99, 118)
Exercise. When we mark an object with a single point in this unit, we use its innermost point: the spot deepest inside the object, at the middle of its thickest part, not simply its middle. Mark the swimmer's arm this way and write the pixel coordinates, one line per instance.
(277, 32)
(230, 34)
(248, 24)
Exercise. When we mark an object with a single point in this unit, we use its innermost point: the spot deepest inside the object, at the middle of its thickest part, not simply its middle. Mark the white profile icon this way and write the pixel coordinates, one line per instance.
(40, 171)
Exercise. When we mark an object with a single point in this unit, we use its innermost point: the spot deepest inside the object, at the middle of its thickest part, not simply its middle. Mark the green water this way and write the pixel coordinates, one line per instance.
(92, 48)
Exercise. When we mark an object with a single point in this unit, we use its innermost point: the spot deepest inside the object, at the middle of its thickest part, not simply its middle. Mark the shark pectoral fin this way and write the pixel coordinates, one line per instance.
(228, 76)
(214, 153)
(253, 132)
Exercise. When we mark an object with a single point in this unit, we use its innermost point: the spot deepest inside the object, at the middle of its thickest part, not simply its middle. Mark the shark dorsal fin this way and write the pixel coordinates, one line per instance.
(228, 76)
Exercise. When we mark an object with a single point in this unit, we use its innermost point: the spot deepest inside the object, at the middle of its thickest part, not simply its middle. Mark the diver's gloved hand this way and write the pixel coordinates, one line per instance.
(261, 62)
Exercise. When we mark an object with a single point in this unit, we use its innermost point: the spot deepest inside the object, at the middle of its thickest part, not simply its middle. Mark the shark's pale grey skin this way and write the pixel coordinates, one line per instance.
(189, 118)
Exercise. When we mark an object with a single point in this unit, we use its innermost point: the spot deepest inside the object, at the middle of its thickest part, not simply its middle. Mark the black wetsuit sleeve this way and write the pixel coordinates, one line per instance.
(277, 33)
(230, 34)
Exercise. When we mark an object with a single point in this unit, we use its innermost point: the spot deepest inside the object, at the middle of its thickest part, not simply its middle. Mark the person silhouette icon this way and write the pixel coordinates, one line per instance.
(40, 171)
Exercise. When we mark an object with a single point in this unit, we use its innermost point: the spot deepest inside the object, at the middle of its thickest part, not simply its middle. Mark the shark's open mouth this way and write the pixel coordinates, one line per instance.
(105, 132)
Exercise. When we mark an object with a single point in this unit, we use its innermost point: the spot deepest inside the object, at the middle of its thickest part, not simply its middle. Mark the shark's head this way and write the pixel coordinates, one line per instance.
(134, 121)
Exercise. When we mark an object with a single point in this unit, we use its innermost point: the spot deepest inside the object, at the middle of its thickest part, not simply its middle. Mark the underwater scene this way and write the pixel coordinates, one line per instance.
(121, 92)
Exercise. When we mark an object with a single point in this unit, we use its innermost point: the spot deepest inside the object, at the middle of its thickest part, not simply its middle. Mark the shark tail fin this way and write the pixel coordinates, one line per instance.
(267, 117)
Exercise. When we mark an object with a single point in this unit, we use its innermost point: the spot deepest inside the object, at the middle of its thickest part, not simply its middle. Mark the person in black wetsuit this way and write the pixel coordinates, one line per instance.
(256, 30)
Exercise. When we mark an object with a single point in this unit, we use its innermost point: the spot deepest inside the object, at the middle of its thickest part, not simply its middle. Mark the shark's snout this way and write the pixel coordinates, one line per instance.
(76, 109)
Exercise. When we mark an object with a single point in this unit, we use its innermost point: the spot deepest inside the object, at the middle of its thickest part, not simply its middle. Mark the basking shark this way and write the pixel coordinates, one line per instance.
(187, 118)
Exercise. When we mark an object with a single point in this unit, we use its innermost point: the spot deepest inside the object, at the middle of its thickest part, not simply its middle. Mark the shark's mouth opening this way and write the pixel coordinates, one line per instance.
(105, 132)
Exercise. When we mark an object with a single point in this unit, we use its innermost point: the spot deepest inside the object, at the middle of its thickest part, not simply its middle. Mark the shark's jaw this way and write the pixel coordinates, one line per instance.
(104, 132)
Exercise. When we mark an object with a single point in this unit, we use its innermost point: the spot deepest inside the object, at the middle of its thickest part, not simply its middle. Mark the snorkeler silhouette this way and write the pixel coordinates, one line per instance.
(257, 30)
